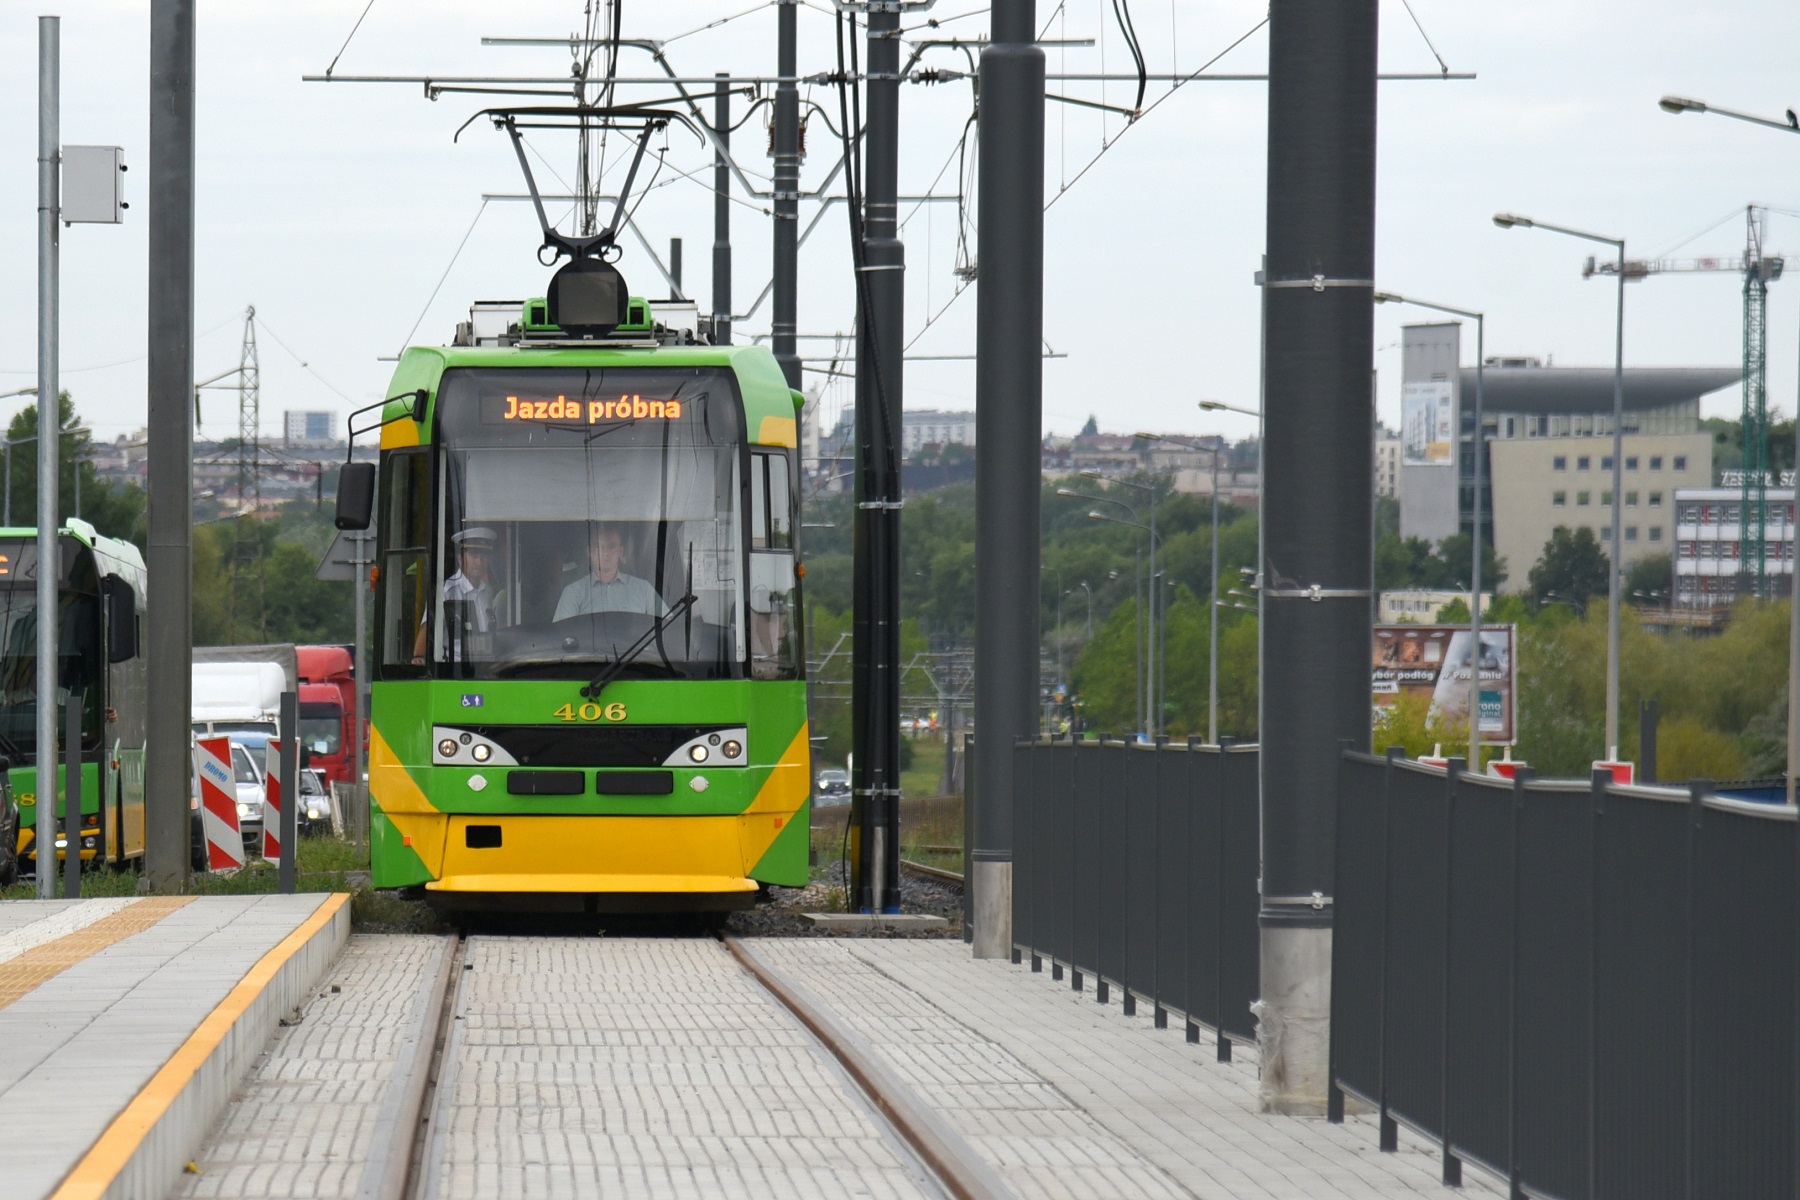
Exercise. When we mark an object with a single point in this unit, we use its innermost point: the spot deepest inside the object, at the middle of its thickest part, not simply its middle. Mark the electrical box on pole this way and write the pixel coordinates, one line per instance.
(1759, 271)
(93, 185)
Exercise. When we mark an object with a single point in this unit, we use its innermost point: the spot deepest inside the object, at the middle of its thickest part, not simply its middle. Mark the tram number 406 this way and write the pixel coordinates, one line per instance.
(590, 712)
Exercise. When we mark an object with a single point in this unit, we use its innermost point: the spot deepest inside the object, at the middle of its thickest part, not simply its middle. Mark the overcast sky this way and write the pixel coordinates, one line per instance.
(336, 209)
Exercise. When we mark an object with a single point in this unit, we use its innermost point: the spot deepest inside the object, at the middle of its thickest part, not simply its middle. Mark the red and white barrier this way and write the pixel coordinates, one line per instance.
(272, 801)
(218, 803)
(1621, 772)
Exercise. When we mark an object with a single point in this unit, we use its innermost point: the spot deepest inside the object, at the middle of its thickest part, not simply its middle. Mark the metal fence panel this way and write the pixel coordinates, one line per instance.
(1206, 821)
(1744, 999)
(1139, 883)
(1418, 881)
(1357, 927)
(1061, 859)
(1641, 971)
(1092, 762)
(1479, 1010)
(1556, 859)
(1028, 820)
(1240, 870)
(1174, 802)
(1110, 831)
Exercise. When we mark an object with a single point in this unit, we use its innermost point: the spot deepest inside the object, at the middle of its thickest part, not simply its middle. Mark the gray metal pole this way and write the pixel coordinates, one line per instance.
(879, 403)
(1793, 721)
(7, 519)
(71, 865)
(783, 327)
(289, 833)
(170, 636)
(1616, 551)
(1154, 664)
(1475, 570)
(1212, 653)
(49, 417)
(1316, 563)
(1009, 389)
(1137, 664)
(675, 267)
(721, 281)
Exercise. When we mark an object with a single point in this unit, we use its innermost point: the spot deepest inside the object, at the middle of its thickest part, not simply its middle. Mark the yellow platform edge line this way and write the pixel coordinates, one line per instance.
(112, 1151)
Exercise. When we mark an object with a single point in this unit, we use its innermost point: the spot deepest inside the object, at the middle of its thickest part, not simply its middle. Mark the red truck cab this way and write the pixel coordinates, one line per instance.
(327, 689)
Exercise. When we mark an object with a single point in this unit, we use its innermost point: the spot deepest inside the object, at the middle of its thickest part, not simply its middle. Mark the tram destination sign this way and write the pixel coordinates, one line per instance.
(561, 410)
(1432, 661)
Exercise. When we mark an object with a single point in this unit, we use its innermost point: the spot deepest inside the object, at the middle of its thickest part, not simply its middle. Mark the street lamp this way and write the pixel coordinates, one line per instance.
(1153, 686)
(1083, 585)
(1682, 104)
(1212, 610)
(1153, 722)
(6, 504)
(1137, 596)
(1220, 405)
(1475, 523)
(1679, 105)
(1508, 221)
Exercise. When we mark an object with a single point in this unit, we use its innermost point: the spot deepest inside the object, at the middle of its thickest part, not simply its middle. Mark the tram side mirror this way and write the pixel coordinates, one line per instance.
(121, 619)
(355, 495)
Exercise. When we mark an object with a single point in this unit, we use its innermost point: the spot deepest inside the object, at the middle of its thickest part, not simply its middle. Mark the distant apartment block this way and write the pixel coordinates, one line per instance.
(309, 428)
(1710, 558)
(1387, 467)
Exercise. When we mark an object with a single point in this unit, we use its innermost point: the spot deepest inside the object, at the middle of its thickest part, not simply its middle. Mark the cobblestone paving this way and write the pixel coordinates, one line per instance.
(644, 1067)
(305, 1121)
(1069, 1098)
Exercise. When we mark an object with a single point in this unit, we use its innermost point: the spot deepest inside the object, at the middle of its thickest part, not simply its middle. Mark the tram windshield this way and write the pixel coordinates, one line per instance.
(78, 633)
(584, 517)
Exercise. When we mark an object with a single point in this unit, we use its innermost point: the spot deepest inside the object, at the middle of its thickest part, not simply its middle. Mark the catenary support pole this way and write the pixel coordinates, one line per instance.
(170, 377)
(359, 800)
(721, 280)
(49, 417)
(1212, 602)
(1009, 369)
(879, 343)
(1475, 542)
(1316, 578)
(783, 328)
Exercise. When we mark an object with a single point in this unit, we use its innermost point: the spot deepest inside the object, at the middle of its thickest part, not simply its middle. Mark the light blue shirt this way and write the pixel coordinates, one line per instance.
(626, 593)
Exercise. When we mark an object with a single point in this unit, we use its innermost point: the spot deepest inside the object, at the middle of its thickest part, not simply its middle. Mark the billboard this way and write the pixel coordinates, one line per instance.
(1434, 660)
(1428, 424)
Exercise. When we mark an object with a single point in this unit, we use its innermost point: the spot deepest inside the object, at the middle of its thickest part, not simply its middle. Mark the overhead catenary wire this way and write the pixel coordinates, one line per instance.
(346, 45)
(451, 265)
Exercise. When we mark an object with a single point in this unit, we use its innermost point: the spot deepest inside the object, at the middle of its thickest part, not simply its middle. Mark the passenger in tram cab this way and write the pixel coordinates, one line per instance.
(473, 582)
(607, 588)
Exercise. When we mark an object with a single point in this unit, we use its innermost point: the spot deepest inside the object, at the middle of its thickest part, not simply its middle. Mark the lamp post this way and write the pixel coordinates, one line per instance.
(1212, 651)
(1679, 105)
(1153, 684)
(1151, 725)
(1137, 596)
(1089, 593)
(1509, 221)
(1475, 522)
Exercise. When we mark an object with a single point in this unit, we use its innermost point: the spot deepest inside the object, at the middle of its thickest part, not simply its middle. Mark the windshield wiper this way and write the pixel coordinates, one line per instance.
(613, 669)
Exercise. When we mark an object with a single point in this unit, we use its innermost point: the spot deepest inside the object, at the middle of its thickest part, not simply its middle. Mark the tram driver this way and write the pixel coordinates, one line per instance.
(607, 588)
(473, 584)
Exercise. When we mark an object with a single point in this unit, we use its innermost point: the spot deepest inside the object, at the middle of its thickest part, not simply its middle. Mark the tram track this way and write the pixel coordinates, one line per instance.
(411, 1166)
(936, 874)
(959, 1170)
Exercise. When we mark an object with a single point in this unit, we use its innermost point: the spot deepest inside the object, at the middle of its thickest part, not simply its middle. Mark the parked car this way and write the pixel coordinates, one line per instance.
(834, 787)
(313, 813)
(249, 779)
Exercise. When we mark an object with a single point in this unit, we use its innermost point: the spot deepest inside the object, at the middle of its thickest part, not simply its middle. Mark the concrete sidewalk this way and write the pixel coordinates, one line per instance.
(1069, 1098)
(125, 1026)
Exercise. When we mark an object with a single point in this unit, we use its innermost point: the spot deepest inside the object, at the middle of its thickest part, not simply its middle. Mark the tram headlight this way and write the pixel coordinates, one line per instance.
(733, 749)
(699, 753)
(448, 747)
(481, 753)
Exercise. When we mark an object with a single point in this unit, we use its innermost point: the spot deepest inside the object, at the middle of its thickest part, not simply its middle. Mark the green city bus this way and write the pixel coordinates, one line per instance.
(588, 688)
(100, 607)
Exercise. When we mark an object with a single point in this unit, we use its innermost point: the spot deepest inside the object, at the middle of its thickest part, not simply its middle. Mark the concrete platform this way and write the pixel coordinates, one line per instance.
(126, 1025)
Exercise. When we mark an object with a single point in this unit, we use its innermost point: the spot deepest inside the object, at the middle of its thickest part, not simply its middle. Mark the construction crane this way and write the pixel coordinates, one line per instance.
(1759, 271)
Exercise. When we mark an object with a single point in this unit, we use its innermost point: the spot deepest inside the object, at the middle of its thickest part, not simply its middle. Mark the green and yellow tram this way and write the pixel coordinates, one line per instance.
(100, 606)
(589, 681)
